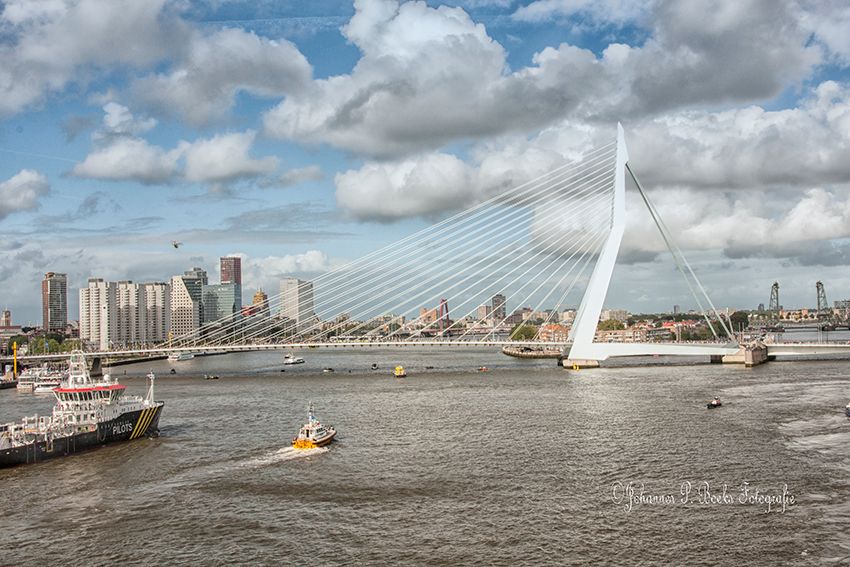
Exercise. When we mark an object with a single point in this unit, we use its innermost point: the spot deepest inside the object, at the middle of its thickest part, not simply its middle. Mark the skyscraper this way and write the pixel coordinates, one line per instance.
(497, 308)
(186, 310)
(222, 303)
(261, 303)
(231, 270)
(6, 319)
(296, 300)
(54, 301)
(158, 311)
(98, 312)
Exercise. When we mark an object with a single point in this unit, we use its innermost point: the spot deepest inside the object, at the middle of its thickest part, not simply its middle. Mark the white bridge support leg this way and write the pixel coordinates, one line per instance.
(583, 331)
(584, 352)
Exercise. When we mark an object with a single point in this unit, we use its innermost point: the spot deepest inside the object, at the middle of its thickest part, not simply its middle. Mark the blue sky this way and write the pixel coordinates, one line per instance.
(301, 135)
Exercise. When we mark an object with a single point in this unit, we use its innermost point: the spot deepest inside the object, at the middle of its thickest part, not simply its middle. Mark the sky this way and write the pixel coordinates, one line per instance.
(302, 135)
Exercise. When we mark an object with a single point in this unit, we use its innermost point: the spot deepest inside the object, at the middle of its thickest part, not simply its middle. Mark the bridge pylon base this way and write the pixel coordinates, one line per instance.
(579, 363)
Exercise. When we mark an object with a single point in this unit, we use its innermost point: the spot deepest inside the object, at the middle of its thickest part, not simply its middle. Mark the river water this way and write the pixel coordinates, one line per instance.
(525, 464)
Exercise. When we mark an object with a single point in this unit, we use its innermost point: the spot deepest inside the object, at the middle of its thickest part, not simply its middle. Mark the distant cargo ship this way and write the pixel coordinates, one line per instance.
(88, 413)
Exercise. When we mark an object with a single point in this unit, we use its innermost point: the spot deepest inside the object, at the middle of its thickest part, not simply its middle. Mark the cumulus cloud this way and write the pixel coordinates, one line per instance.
(120, 154)
(428, 76)
(131, 159)
(426, 185)
(22, 192)
(266, 271)
(202, 86)
(224, 158)
(118, 120)
(55, 43)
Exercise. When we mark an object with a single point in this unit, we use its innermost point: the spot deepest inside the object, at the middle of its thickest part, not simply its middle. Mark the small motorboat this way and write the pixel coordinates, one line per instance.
(327, 370)
(374, 366)
(399, 372)
(290, 359)
(482, 369)
(715, 403)
(847, 410)
(313, 434)
(210, 376)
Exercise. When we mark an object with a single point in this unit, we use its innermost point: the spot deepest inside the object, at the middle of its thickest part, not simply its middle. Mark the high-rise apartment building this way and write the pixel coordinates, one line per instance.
(6, 319)
(296, 301)
(116, 314)
(130, 313)
(98, 313)
(231, 270)
(54, 301)
(157, 302)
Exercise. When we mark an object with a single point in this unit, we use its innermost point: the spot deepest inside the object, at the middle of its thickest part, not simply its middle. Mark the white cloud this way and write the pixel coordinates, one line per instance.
(22, 192)
(129, 159)
(266, 271)
(428, 76)
(616, 11)
(120, 154)
(52, 44)
(224, 158)
(203, 84)
(301, 175)
(749, 147)
(118, 120)
(828, 21)
(426, 185)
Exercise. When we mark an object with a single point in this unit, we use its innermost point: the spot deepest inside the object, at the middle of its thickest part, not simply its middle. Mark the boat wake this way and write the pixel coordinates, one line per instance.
(281, 455)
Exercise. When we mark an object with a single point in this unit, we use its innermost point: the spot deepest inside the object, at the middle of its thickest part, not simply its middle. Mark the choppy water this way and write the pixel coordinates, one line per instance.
(448, 466)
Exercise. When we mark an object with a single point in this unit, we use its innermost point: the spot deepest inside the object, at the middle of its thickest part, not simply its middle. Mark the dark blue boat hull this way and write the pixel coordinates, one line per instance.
(129, 426)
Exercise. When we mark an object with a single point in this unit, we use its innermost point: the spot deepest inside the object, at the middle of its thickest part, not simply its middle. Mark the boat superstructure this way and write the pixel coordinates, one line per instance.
(88, 412)
(41, 379)
(181, 356)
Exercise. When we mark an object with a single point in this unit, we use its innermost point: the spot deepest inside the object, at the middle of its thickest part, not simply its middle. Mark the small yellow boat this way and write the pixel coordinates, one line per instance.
(399, 372)
(313, 434)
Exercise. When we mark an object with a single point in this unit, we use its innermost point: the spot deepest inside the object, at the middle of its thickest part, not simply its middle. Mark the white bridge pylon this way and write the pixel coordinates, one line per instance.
(584, 350)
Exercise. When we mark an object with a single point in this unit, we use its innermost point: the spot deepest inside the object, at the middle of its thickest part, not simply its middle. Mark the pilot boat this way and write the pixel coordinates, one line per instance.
(399, 372)
(290, 359)
(89, 412)
(715, 403)
(313, 434)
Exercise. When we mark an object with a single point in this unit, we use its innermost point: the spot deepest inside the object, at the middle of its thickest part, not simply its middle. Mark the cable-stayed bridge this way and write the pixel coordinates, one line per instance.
(547, 243)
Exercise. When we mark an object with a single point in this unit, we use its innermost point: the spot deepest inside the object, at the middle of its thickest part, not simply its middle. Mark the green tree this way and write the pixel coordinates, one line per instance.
(740, 319)
(523, 332)
(610, 325)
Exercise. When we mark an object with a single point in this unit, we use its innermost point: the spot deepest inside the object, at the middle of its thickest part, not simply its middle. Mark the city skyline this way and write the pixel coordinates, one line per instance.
(102, 170)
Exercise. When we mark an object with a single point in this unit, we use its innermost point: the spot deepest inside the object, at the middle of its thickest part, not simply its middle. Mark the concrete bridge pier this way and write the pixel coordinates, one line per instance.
(749, 355)
(578, 363)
